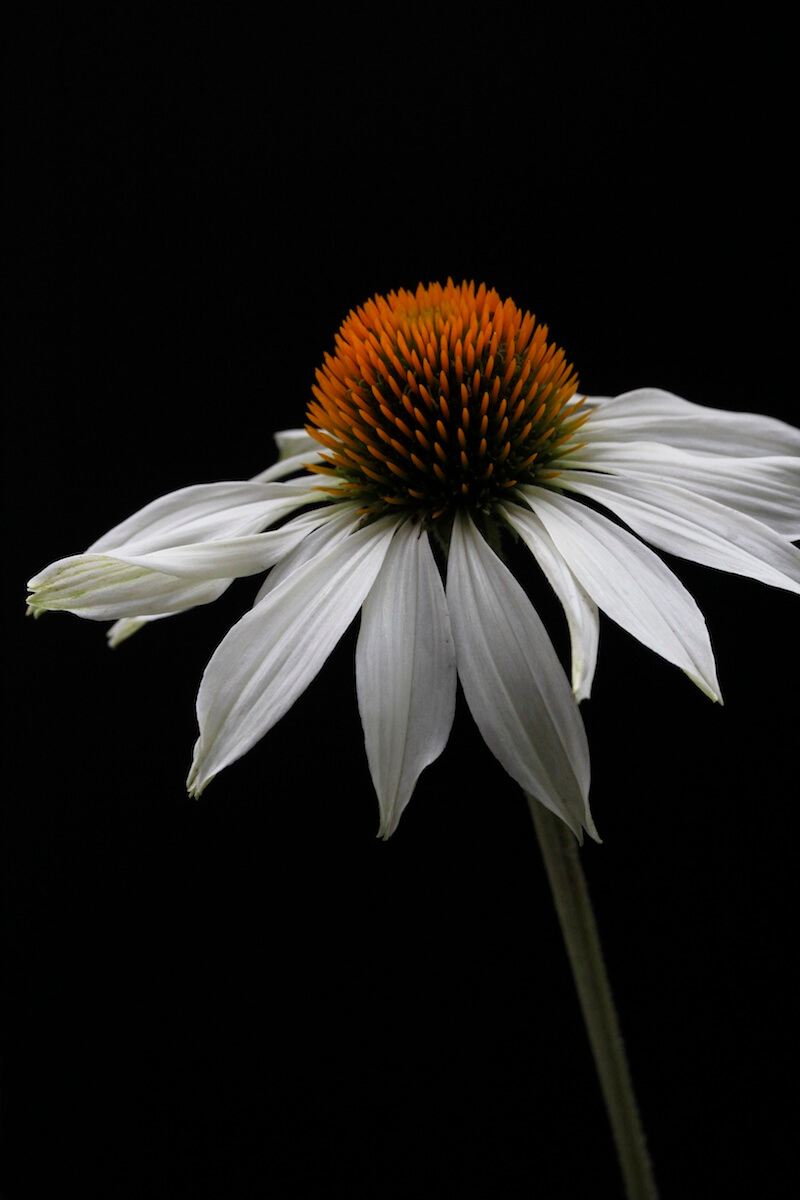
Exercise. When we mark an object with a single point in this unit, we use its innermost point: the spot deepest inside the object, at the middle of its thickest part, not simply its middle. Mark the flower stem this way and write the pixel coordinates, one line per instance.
(571, 896)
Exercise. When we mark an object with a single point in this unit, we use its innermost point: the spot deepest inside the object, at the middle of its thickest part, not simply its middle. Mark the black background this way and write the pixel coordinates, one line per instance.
(249, 994)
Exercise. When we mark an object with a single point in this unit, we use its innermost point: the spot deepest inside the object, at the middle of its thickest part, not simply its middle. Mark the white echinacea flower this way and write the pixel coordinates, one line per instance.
(442, 418)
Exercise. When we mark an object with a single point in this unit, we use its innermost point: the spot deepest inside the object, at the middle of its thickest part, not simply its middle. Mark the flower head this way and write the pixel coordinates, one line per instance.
(444, 420)
(439, 401)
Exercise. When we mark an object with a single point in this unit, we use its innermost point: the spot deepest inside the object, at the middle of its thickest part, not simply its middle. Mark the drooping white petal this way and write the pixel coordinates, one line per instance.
(405, 671)
(767, 489)
(327, 524)
(232, 557)
(106, 587)
(515, 686)
(630, 583)
(100, 588)
(693, 527)
(205, 512)
(580, 610)
(271, 655)
(653, 415)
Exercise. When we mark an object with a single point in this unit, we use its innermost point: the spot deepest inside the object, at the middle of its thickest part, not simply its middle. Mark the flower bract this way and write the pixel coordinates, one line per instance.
(443, 423)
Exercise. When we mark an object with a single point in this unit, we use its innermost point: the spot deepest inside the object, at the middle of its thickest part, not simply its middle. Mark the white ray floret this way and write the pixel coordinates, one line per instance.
(405, 671)
(630, 583)
(515, 685)
(271, 655)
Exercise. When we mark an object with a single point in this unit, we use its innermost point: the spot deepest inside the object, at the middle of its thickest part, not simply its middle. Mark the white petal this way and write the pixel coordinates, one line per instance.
(405, 671)
(337, 521)
(513, 681)
(296, 448)
(327, 524)
(105, 589)
(291, 442)
(693, 527)
(650, 414)
(288, 466)
(767, 489)
(271, 655)
(294, 463)
(121, 630)
(230, 558)
(205, 512)
(630, 583)
(581, 611)
(110, 586)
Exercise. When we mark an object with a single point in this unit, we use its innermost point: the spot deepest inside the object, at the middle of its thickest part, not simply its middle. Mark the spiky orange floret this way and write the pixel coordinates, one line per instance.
(442, 397)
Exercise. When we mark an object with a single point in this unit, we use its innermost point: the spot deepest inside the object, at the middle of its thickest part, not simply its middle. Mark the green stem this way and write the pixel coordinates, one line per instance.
(574, 908)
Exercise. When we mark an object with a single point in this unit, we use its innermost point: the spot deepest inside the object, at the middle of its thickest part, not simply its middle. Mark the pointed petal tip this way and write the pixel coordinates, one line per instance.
(195, 783)
(576, 826)
(588, 826)
(591, 829)
(709, 687)
(121, 630)
(387, 825)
